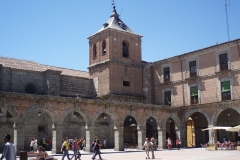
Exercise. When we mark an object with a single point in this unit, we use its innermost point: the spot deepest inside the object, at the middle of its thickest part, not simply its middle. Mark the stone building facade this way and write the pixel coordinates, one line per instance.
(122, 99)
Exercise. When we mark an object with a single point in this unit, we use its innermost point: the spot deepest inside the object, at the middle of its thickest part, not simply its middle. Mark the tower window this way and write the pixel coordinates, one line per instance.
(126, 83)
(125, 51)
(30, 89)
(104, 51)
(94, 51)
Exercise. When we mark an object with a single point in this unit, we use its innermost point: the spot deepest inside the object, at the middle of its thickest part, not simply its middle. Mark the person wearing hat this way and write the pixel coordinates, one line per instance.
(9, 152)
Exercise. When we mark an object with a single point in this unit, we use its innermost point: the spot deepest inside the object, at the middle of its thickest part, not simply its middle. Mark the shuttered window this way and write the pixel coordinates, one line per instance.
(194, 95)
(226, 90)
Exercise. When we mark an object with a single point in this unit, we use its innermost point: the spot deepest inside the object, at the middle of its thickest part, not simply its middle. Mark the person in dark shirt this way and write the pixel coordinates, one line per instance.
(97, 147)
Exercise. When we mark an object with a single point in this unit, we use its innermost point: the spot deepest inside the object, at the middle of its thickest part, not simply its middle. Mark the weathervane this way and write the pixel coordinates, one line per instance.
(113, 3)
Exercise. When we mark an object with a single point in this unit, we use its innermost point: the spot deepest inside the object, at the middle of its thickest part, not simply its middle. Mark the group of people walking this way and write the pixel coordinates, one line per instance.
(170, 143)
(76, 146)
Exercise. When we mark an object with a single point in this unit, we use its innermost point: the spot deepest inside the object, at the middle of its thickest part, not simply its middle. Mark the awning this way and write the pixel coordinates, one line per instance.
(234, 129)
(216, 128)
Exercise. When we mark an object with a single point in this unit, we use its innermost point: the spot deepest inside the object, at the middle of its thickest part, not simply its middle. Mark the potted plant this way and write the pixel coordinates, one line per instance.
(211, 147)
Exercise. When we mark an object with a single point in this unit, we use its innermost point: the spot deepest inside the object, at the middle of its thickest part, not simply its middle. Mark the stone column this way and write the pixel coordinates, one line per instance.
(161, 138)
(212, 135)
(57, 138)
(18, 137)
(141, 136)
(118, 139)
(89, 137)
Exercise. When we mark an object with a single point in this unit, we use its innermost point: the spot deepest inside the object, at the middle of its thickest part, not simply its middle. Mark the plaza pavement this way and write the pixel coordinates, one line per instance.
(183, 154)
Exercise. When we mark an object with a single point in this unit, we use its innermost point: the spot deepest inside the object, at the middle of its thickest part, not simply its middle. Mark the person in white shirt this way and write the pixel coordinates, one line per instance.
(9, 152)
(31, 145)
(105, 143)
(169, 143)
(147, 145)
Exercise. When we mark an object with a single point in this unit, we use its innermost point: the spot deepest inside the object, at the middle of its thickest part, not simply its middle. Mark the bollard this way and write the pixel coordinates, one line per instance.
(23, 155)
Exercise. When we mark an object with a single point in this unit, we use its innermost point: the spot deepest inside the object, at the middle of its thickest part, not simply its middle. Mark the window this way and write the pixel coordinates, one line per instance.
(126, 83)
(193, 68)
(166, 74)
(225, 90)
(125, 51)
(223, 59)
(30, 89)
(94, 51)
(167, 98)
(104, 51)
(194, 95)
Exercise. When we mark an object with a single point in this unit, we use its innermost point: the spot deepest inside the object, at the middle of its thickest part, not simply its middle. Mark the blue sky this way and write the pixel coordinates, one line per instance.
(55, 32)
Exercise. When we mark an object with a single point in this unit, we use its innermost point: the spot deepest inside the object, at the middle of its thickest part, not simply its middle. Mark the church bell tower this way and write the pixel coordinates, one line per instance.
(115, 61)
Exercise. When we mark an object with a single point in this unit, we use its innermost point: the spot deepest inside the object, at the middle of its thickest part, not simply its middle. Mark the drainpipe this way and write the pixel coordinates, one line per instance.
(183, 96)
(238, 47)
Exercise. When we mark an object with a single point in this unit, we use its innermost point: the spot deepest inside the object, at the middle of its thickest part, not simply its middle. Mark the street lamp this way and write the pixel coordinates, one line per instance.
(228, 114)
(39, 114)
(1, 113)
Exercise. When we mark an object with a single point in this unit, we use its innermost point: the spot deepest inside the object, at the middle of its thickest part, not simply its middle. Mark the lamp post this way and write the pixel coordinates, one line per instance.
(1, 113)
(39, 114)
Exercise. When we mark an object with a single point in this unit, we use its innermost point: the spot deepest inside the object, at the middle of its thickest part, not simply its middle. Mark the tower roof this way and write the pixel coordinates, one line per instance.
(116, 23)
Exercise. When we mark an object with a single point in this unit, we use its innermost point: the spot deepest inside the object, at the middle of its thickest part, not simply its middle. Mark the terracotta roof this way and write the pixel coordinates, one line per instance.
(33, 66)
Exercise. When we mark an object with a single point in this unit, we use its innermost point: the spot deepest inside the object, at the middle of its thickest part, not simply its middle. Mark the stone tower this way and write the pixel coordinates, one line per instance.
(116, 62)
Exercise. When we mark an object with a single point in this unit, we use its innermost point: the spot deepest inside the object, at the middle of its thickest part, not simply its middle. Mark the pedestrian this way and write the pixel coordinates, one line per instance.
(169, 143)
(147, 146)
(50, 143)
(65, 148)
(75, 147)
(153, 144)
(9, 152)
(44, 143)
(35, 145)
(97, 146)
(105, 143)
(93, 142)
(31, 145)
(178, 143)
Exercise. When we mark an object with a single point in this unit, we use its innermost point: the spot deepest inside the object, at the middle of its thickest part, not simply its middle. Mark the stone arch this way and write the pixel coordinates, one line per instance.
(13, 112)
(175, 118)
(111, 113)
(190, 112)
(53, 114)
(158, 120)
(134, 115)
(82, 111)
(219, 111)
